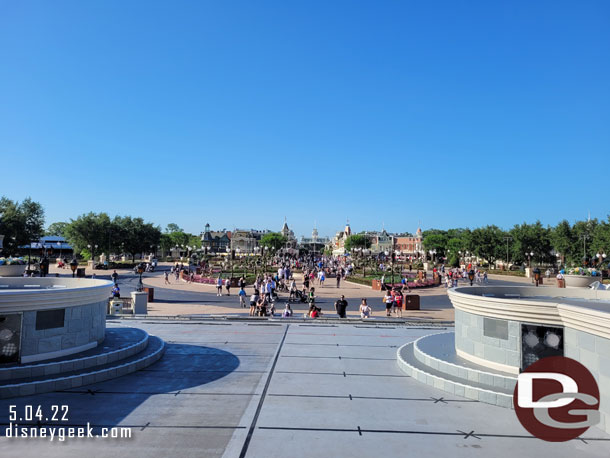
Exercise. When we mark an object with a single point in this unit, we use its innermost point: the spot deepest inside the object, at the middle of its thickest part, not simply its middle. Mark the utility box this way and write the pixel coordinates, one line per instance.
(411, 302)
(151, 294)
(139, 302)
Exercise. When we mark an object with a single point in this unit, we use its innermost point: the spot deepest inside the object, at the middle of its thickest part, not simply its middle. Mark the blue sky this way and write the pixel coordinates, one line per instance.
(239, 113)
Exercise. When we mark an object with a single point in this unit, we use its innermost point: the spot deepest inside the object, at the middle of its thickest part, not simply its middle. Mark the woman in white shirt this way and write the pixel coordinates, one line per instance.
(365, 310)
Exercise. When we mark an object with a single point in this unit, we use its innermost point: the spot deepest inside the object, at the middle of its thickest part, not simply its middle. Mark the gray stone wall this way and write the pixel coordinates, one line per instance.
(593, 352)
(470, 339)
(82, 324)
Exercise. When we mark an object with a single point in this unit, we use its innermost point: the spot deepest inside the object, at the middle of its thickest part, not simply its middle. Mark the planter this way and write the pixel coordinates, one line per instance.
(580, 281)
(14, 270)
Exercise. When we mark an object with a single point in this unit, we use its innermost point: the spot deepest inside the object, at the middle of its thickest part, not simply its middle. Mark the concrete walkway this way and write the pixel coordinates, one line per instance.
(276, 390)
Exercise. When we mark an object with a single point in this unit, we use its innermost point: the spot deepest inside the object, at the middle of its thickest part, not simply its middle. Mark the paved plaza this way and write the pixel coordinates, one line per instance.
(278, 389)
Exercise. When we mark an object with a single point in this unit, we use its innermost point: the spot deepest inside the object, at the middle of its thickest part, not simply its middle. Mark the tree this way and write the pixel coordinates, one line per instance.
(531, 238)
(436, 242)
(563, 240)
(487, 243)
(273, 241)
(601, 240)
(135, 235)
(20, 223)
(58, 229)
(356, 241)
(173, 227)
(91, 229)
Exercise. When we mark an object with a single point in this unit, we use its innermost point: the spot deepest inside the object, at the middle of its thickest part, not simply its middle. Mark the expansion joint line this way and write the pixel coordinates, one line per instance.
(244, 449)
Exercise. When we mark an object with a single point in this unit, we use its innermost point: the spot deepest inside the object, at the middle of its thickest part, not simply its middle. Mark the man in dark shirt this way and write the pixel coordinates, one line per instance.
(340, 307)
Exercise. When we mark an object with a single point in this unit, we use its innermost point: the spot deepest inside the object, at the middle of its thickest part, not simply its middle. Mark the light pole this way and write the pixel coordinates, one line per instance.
(529, 258)
(584, 247)
(59, 245)
(140, 271)
(507, 239)
(74, 266)
(92, 248)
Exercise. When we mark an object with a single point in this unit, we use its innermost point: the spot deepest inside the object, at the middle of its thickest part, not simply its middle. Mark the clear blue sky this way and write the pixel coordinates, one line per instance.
(239, 113)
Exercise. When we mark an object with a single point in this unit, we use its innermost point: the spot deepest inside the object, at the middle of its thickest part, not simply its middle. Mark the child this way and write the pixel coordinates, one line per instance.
(287, 311)
(253, 301)
(242, 297)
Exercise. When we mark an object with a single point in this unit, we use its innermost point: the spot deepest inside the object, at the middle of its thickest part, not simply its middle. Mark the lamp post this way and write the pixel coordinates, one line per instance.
(73, 266)
(140, 271)
(59, 245)
(237, 252)
(256, 251)
(529, 258)
(507, 239)
(92, 248)
(584, 247)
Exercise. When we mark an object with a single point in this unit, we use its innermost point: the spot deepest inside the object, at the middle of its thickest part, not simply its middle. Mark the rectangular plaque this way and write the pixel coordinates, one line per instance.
(10, 338)
(495, 328)
(50, 319)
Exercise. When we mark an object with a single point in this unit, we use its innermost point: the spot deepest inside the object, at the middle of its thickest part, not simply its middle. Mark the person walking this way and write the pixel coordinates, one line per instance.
(166, 276)
(365, 310)
(341, 306)
(115, 277)
(338, 278)
(242, 297)
(398, 299)
(389, 300)
(228, 286)
(219, 286)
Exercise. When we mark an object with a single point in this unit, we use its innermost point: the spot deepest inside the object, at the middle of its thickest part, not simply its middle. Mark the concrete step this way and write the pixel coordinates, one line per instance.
(437, 351)
(456, 385)
(75, 378)
(119, 344)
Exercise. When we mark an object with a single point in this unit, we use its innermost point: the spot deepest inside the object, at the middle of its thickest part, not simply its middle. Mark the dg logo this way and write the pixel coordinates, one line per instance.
(557, 399)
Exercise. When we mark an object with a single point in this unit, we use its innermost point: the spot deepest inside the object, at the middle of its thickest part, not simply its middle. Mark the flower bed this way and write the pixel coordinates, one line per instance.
(12, 267)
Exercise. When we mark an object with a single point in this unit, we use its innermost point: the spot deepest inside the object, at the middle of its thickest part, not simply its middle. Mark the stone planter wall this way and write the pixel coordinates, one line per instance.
(580, 281)
(12, 271)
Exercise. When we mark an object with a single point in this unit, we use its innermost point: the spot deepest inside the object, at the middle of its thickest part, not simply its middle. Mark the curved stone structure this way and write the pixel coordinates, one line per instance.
(13, 270)
(507, 328)
(580, 281)
(46, 318)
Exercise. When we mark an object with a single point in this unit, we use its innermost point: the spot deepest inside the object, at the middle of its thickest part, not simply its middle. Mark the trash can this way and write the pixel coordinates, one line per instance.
(116, 307)
(411, 302)
(80, 272)
(151, 294)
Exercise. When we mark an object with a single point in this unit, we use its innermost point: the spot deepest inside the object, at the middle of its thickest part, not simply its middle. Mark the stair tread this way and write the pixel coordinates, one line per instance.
(442, 347)
(408, 354)
(154, 344)
(116, 339)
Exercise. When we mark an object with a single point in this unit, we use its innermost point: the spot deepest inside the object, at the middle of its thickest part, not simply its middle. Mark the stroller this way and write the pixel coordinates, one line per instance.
(300, 296)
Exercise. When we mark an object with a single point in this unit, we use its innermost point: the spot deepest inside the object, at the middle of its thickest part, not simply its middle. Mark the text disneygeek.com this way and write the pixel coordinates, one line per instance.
(61, 433)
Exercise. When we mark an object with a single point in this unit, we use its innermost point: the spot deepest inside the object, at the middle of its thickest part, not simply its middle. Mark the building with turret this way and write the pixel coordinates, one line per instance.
(215, 241)
(338, 245)
(315, 243)
(291, 240)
